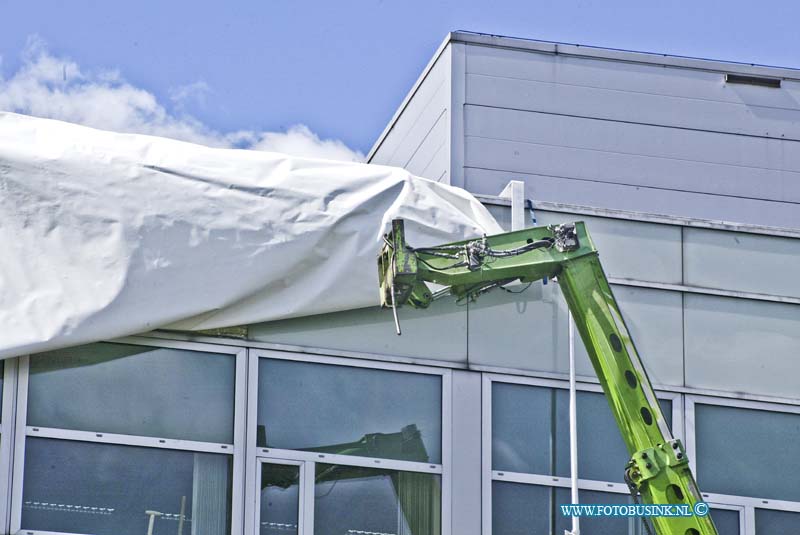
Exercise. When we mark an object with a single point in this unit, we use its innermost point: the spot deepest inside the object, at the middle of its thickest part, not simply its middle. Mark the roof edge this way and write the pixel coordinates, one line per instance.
(632, 56)
(646, 217)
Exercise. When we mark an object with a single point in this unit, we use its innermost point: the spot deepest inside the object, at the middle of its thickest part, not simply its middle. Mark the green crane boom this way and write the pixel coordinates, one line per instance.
(658, 471)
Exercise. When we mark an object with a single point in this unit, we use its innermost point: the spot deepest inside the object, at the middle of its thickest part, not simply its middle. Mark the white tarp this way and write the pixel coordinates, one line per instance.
(105, 235)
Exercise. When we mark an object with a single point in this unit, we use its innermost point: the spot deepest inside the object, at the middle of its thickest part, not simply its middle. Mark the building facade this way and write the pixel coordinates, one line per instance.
(685, 172)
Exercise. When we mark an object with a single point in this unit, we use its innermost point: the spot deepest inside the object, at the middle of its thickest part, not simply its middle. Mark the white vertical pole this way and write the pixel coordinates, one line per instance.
(515, 192)
(573, 428)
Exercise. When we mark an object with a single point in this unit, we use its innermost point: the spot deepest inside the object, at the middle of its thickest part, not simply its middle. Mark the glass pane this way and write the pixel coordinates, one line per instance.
(768, 521)
(727, 521)
(280, 499)
(350, 500)
(349, 411)
(530, 432)
(519, 509)
(734, 443)
(105, 489)
(602, 454)
(522, 424)
(134, 390)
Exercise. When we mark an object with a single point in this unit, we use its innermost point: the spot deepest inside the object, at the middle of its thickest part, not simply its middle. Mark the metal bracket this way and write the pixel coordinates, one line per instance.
(648, 463)
(566, 237)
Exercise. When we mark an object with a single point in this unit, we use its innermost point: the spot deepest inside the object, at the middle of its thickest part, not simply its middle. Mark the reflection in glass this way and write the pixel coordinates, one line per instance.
(105, 489)
(728, 441)
(134, 390)
(727, 522)
(349, 499)
(768, 521)
(519, 509)
(530, 432)
(280, 499)
(349, 410)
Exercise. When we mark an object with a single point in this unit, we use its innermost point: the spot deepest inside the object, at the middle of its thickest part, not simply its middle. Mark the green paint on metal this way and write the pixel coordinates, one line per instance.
(658, 468)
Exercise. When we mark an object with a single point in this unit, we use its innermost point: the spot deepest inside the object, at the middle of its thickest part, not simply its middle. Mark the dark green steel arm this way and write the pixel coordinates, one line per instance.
(658, 468)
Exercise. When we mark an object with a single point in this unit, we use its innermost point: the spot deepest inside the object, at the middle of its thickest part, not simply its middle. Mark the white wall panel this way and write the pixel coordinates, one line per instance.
(638, 198)
(419, 137)
(430, 159)
(551, 96)
(771, 111)
(744, 262)
(466, 453)
(740, 345)
(655, 321)
(630, 249)
(371, 330)
(623, 153)
(526, 331)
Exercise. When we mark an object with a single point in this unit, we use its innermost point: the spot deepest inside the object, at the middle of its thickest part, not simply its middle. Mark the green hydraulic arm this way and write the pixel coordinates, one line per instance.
(658, 471)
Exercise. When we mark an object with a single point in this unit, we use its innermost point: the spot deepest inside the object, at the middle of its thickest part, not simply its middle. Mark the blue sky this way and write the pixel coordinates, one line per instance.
(240, 71)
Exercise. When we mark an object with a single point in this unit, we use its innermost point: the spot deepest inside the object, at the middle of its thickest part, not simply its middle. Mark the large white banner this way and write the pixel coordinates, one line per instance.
(104, 235)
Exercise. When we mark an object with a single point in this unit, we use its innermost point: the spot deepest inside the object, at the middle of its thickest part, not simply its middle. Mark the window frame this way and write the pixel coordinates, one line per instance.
(7, 410)
(305, 502)
(235, 450)
(749, 504)
(309, 459)
(489, 475)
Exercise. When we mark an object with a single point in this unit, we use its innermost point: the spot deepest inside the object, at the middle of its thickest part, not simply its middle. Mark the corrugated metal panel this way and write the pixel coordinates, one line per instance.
(742, 262)
(740, 345)
(630, 250)
(371, 330)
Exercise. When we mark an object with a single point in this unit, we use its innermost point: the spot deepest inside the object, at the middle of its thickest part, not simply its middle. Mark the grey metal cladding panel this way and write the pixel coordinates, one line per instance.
(466, 453)
(502, 214)
(741, 345)
(744, 262)
(371, 330)
(761, 111)
(526, 331)
(622, 153)
(638, 198)
(631, 139)
(655, 321)
(630, 249)
(631, 106)
(414, 124)
(430, 159)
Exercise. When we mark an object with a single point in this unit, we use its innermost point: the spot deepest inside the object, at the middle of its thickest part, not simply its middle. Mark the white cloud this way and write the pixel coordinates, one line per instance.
(58, 88)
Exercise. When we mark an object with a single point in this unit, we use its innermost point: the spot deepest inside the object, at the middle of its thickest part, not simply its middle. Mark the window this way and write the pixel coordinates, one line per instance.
(345, 446)
(734, 443)
(352, 499)
(530, 432)
(107, 489)
(528, 460)
(114, 436)
(7, 379)
(349, 410)
(279, 498)
(134, 390)
(519, 509)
